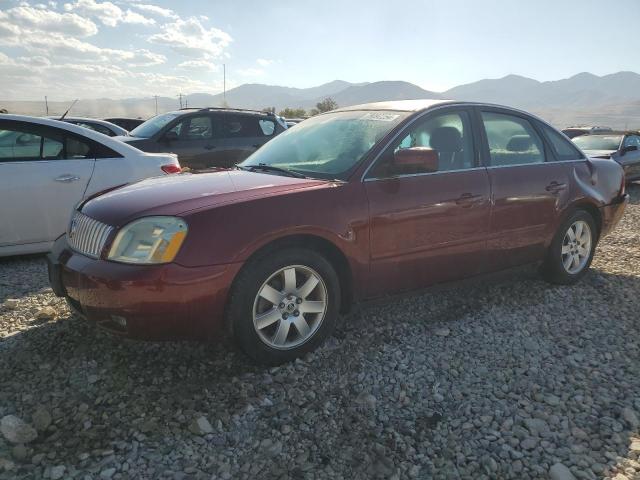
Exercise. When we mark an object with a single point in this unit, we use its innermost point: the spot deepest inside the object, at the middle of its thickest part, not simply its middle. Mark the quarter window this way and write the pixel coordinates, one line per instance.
(563, 148)
(512, 140)
(447, 135)
(267, 127)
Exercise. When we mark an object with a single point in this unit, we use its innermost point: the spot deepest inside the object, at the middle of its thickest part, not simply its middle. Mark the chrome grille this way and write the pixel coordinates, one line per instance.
(87, 235)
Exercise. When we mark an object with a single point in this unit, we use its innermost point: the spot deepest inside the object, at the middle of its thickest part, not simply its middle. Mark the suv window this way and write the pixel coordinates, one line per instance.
(267, 127)
(563, 148)
(632, 141)
(512, 140)
(198, 128)
(238, 126)
(447, 134)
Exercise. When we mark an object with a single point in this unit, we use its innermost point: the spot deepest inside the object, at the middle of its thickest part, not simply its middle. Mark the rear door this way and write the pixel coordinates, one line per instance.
(529, 190)
(428, 227)
(244, 134)
(43, 174)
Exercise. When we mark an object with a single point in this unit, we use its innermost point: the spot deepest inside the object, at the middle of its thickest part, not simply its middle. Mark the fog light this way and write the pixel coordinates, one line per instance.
(120, 321)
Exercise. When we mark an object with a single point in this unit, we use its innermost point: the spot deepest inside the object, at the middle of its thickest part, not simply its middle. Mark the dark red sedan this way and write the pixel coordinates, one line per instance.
(353, 204)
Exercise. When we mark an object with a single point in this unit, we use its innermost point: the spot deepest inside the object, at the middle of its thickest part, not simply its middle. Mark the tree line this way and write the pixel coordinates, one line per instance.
(323, 106)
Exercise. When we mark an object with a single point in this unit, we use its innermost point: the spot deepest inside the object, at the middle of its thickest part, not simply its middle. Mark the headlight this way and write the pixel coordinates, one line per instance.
(149, 240)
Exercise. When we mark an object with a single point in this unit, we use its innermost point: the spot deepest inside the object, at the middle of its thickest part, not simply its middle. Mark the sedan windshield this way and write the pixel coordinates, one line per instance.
(327, 146)
(598, 142)
(152, 126)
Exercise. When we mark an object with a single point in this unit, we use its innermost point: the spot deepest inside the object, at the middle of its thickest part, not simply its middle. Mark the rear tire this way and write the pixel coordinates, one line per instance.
(283, 305)
(572, 249)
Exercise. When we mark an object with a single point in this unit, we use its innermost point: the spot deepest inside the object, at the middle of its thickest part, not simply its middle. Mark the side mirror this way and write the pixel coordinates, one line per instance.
(629, 148)
(418, 159)
(170, 136)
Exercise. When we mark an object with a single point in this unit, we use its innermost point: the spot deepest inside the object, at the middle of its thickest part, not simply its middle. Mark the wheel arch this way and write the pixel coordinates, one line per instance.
(325, 247)
(588, 207)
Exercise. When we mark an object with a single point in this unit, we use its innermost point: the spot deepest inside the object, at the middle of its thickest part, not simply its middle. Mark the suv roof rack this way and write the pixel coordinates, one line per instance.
(206, 109)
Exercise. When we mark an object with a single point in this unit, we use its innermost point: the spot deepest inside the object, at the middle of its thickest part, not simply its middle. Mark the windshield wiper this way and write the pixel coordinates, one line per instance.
(271, 168)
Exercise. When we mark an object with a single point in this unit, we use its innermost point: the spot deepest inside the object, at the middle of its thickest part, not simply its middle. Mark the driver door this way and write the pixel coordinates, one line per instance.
(428, 226)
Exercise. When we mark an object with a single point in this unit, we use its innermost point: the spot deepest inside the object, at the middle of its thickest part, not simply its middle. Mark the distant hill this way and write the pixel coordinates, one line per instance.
(612, 100)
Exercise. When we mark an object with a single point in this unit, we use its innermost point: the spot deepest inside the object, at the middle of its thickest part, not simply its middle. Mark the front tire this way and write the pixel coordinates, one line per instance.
(572, 249)
(283, 305)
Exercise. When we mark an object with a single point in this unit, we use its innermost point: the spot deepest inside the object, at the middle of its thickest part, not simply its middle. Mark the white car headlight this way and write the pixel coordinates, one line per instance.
(149, 240)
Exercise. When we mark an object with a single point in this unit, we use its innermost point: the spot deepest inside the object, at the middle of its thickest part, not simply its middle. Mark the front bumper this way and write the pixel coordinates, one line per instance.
(612, 213)
(150, 302)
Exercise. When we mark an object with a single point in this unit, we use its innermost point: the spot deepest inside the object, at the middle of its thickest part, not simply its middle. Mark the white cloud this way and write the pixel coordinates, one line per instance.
(263, 62)
(108, 13)
(36, 19)
(200, 65)
(73, 80)
(190, 38)
(155, 10)
(134, 17)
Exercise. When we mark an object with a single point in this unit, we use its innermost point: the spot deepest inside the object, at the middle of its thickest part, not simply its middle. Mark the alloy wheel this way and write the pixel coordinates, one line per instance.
(576, 247)
(290, 307)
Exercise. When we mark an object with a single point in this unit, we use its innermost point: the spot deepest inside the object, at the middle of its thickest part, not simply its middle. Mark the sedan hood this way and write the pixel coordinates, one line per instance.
(177, 194)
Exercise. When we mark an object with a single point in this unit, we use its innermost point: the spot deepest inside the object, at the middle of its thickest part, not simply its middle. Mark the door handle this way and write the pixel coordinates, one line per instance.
(555, 187)
(67, 178)
(209, 147)
(467, 200)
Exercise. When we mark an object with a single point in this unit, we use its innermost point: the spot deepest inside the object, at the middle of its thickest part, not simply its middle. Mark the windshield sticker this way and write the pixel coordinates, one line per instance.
(380, 116)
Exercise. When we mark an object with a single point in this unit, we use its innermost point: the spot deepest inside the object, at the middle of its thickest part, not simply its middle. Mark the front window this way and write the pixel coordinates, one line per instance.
(327, 146)
(598, 142)
(152, 126)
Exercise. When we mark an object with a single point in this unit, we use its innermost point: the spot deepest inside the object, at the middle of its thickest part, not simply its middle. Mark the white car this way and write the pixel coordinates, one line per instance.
(47, 167)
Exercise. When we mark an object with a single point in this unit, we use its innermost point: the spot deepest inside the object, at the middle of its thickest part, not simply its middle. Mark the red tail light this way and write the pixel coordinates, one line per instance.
(171, 168)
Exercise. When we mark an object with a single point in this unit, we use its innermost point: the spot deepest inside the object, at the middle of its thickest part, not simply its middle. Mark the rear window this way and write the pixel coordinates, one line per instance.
(598, 142)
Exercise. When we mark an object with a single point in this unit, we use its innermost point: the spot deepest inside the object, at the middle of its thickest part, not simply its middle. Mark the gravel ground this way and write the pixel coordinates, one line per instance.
(512, 379)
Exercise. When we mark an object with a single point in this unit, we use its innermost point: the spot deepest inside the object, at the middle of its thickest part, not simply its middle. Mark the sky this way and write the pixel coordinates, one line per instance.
(119, 49)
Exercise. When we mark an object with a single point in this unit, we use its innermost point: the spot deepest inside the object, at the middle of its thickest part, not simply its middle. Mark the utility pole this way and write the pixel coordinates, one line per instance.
(46, 105)
(180, 97)
(156, 99)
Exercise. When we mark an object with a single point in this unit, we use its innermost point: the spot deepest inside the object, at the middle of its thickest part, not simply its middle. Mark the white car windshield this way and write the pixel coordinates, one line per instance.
(152, 126)
(328, 145)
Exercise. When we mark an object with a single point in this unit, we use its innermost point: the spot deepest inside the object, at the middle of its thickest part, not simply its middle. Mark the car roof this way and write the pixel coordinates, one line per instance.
(120, 147)
(610, 133)
(397, 105)
(221, 109)
(98, 121)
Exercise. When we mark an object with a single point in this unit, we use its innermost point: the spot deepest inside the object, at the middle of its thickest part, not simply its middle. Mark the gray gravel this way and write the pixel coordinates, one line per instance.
(512, 379)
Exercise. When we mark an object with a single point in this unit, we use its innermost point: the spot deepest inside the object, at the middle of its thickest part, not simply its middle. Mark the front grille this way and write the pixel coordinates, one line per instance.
(87, 235)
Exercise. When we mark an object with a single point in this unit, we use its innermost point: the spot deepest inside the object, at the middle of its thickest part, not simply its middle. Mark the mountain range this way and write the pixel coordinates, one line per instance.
(584, 98)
